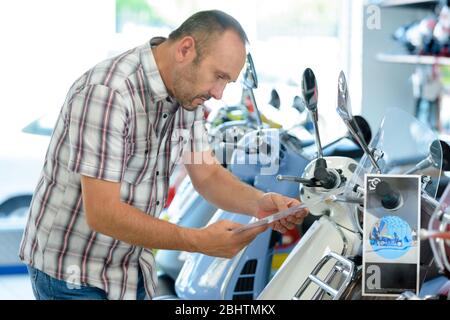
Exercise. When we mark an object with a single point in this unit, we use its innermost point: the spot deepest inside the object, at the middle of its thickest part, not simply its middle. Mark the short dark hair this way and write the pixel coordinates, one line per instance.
(203, 26)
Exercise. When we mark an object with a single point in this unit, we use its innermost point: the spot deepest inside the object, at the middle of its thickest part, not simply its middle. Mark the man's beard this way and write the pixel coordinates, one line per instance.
(184, 84)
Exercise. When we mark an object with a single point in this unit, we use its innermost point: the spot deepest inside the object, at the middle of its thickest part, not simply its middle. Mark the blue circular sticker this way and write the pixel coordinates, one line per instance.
(390, 237)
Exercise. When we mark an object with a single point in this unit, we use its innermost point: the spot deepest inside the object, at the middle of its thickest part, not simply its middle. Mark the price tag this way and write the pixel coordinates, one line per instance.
(391, 246)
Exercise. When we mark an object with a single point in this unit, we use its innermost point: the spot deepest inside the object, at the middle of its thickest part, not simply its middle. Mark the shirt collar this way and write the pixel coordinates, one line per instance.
(157, 87)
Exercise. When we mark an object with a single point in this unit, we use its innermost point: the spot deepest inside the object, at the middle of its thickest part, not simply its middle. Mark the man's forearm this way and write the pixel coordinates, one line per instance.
(130, 225)
(227, 192)
(106, 214)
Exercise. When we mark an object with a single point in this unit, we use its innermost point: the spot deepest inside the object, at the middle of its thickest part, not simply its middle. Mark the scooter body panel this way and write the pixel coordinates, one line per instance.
(291, 164)
(244, 276)
(322, 237)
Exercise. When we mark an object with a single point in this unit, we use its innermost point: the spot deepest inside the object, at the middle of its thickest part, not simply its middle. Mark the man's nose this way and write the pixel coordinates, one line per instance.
(217, 91)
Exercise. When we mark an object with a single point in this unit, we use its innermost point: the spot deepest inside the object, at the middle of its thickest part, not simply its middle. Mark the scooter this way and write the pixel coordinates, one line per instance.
(242, 277)
(245, 275)
(326, 262)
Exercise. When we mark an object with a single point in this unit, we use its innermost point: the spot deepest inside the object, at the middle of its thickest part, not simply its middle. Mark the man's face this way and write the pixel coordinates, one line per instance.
(195, 83)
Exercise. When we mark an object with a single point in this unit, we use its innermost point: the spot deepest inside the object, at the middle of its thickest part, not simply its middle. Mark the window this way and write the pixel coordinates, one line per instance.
(285, 38)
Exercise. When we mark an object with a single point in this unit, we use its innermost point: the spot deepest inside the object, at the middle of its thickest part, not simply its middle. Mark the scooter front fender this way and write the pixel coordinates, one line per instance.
(322, 237)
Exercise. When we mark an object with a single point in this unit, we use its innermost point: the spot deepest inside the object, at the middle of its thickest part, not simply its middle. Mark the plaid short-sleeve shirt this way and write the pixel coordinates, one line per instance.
(118, 123)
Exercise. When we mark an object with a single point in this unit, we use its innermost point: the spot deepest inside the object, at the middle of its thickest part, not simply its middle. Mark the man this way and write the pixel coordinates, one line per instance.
(93, 218)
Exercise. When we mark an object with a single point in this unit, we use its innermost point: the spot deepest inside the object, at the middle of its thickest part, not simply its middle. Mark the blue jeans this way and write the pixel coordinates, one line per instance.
(49, 288)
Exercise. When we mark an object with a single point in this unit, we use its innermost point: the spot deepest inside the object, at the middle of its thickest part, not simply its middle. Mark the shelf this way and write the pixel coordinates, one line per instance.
(412, 59)
(396, 3)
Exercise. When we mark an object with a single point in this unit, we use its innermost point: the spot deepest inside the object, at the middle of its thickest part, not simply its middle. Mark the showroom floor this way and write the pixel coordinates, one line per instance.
(15, 287)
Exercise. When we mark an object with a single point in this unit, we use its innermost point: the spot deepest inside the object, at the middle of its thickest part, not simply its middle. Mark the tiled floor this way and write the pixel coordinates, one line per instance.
(15, 287)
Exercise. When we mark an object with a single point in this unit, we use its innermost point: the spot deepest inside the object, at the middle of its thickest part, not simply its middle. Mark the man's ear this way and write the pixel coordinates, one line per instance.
(185, 49)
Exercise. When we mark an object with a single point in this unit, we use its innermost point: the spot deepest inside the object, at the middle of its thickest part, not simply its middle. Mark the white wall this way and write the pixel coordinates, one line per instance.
(45, 46)
(386, 85)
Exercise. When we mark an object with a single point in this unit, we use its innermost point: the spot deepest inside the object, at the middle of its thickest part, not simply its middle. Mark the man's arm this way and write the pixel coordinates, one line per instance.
(105, 213)
(219, 186)
(224, 190)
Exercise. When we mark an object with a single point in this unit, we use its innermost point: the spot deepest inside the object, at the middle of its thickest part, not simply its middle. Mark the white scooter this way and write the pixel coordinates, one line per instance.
(326, 263)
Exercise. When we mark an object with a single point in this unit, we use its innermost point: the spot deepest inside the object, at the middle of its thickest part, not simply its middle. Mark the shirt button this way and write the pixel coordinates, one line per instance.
(164, 115)
(168, 99)
(157, 173)
(157, 203)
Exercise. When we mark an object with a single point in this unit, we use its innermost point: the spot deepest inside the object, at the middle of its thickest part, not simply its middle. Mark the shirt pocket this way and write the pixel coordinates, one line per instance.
(140, 161)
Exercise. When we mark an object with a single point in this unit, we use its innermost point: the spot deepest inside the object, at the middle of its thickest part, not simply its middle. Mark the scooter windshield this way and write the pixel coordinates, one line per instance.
(402, 145)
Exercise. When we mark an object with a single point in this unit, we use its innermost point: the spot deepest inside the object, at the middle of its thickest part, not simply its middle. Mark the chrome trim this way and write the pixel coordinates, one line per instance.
(230, 272)
(343, 265)
(337, 268)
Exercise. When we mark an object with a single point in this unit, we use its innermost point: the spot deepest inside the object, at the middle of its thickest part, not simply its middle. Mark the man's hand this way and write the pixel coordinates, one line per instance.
(218, 239)
(271, 203)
